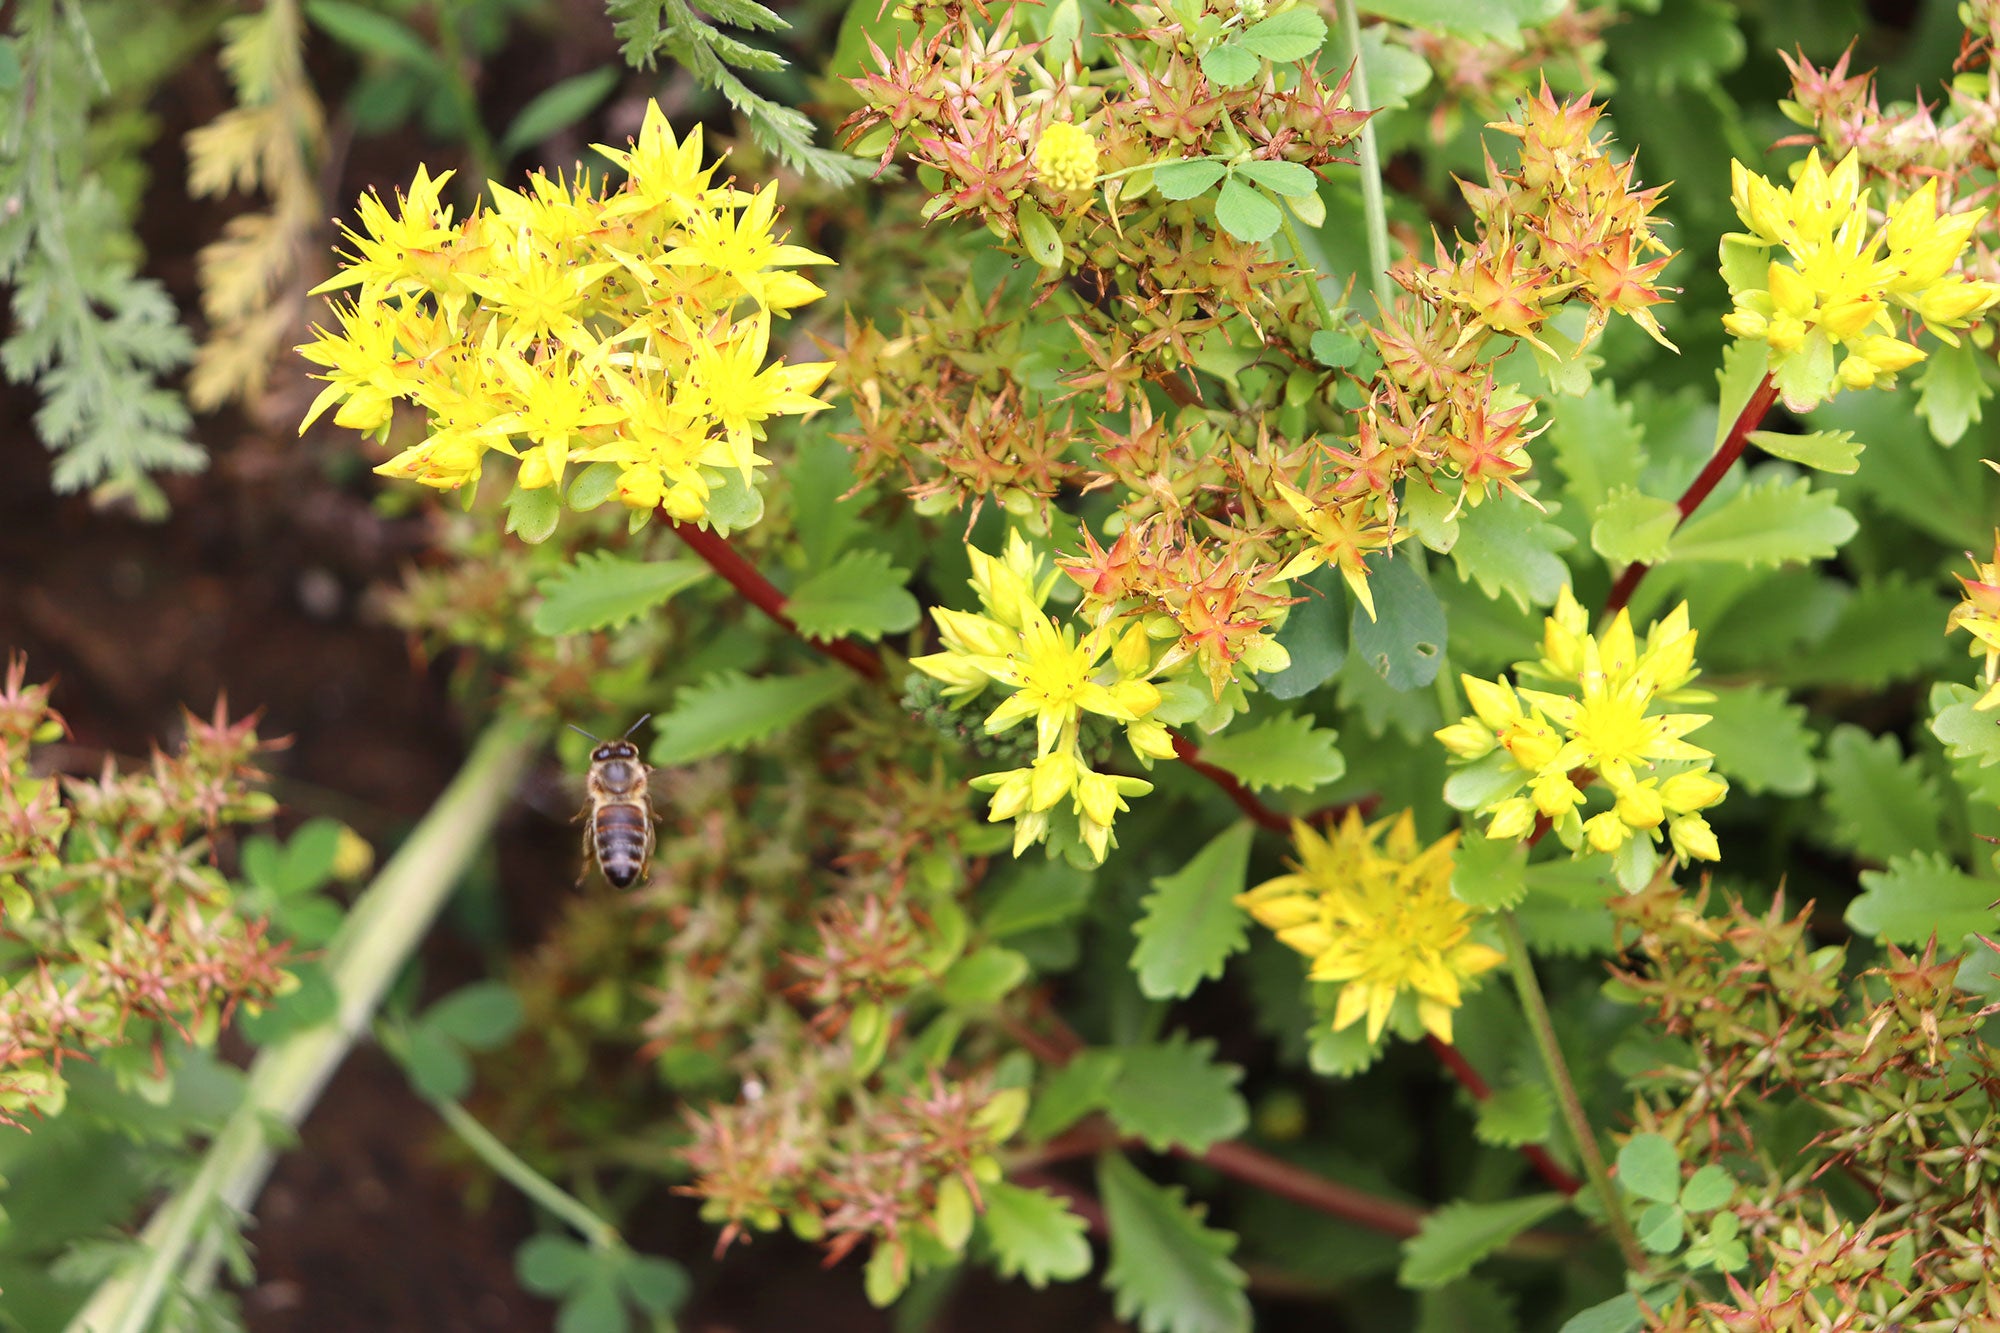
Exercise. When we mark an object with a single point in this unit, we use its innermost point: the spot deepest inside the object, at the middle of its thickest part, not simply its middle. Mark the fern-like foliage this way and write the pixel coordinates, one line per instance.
(252, 287)
(90, 334)
(649, 28)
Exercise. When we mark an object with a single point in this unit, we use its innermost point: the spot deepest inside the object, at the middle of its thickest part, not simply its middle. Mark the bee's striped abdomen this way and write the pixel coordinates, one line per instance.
(624, 835)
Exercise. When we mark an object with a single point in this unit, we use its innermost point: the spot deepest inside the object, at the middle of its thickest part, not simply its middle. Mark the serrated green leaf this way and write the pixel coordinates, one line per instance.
(1284, 751)
(1826, 450)
(1246, 212)
(861, 594)
(1649, 1167)
(1512, 1116)
(482, 1016)
(1275, 174)
(1886, 630)
(1920, 895)
(1033, 1235)
(1489, 873)
(556, 108)
(1599, 445)
(1229, 64)
(1071, 1093)
(1632, 527)
(729, 711)
(1760, 740)
(1173, 1094)
(1190, 923)
(1506, 546)
(1459, 1235)
(1170, 1273)
(1688, 44)
(1951, 390)
(602, 591)
(1768, 522)
(1292, 35)
(1878, 805)
(1968, 733)
(1185, 180)
(1405, 643)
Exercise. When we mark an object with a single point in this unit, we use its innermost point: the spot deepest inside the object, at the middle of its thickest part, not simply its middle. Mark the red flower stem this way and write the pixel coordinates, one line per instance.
(1469, 1078)
(727, 561)
(1263, 815)
(1747, 421)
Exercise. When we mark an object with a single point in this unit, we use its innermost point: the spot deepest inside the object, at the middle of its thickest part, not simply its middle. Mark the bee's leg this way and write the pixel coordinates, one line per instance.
(588, 856)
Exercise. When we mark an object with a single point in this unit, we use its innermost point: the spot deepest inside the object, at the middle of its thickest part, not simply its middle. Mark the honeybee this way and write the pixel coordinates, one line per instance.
(619, 809)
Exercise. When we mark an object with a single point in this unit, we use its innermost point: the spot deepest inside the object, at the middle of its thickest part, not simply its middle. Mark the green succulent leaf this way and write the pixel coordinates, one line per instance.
(1190, 923)
(1768, 522)
(1284, 751)
(1172, 1094)
(1760, 740)
(730, 711)
(1458, 1235)
(603, 591)
(1032, 1234)
(860, 594)
(1169, 1272)
(1878, 804)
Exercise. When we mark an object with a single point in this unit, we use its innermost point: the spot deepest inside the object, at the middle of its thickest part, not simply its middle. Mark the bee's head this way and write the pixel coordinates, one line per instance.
(611, 750)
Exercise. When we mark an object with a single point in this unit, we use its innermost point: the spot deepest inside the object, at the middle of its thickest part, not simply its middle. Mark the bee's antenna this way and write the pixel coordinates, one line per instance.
(634, 727)
(587, 736)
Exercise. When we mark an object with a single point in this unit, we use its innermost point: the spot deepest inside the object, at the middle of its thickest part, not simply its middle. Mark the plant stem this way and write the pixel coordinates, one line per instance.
(1470, 1079)
(1373, 210)
(1731, 449)
(1536, 1007)
(1307, 269)
(745, 577)
(380, 933)
(600, 1234)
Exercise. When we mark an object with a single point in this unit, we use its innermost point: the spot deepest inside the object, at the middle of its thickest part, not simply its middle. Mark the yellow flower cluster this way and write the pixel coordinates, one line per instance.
(1979, 616)
(1055, 678)
(1544, 741)
(1377, 913)
(1066, 157)
(1814, 275)
(574, 323)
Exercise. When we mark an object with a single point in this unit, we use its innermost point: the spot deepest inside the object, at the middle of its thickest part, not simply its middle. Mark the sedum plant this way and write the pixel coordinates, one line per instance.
(1122, 632)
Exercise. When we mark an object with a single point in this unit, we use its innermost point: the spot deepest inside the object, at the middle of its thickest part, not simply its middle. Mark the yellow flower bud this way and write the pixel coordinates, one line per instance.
(1066, 157)
(1694, 839)
(1606, 832)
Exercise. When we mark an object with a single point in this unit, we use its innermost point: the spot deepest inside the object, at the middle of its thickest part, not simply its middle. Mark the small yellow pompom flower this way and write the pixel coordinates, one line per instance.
(1531, 745)
(1979, 616)
(1066, 157)
(1373, 908)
